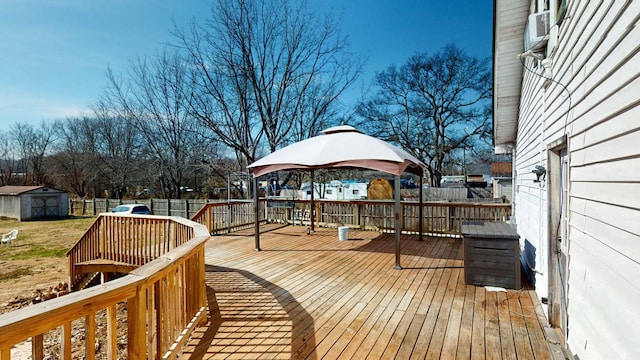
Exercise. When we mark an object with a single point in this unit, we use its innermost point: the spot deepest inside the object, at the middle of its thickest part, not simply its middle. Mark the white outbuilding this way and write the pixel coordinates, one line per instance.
(336, 190)
(33, 202)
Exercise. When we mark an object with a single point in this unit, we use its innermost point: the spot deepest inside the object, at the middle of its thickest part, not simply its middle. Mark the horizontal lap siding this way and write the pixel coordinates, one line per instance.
(598, 60)
(603, 306)
(622, 225)
(605, 190)
(530, 197)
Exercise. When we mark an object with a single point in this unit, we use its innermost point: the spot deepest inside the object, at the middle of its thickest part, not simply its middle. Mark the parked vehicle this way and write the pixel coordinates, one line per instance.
(132, 209)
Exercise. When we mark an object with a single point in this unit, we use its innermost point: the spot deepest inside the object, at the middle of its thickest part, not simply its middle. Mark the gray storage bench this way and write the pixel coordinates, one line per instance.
(491, 254)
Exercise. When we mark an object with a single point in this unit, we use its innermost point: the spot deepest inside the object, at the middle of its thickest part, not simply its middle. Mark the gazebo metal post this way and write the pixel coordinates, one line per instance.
(311, 217)
(256, 211)
(397, 220)
(420, 210)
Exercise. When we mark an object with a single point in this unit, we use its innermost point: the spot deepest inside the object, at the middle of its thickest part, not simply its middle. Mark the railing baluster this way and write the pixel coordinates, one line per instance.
(112, 332)
(90, 337)
(66, 341)
(37, 347)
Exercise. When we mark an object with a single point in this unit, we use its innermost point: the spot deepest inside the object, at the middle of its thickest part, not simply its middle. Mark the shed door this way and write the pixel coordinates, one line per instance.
(44, 207)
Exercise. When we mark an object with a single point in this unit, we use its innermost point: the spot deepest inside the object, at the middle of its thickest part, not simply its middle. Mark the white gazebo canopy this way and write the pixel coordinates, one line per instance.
(340, 147)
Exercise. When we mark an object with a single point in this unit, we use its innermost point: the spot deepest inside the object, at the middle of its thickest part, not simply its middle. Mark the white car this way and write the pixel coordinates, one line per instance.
(132, 209)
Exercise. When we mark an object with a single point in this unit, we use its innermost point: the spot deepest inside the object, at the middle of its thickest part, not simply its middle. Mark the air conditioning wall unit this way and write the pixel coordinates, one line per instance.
(537, 32)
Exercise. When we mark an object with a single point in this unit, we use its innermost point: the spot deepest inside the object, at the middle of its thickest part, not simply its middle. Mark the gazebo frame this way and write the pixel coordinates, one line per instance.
(386, 158)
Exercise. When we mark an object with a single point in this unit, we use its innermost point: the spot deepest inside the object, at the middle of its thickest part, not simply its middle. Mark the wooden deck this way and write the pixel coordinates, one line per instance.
(315, 297)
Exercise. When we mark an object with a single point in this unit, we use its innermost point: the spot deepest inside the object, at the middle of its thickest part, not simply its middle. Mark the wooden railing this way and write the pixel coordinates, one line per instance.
(165, 298)
(127, 239)
(229, 216)
(438, 217)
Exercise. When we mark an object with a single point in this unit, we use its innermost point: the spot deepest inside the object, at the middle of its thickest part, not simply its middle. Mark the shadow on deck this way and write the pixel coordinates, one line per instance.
(312, 297)
(249, 318)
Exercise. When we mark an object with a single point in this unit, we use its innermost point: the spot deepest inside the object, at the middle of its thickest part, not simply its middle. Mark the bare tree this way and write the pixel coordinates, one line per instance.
(262, 68)
(8, 160)
(432, 105)
(221, 97)
(32, 145)
(155, 100)
(75, 168)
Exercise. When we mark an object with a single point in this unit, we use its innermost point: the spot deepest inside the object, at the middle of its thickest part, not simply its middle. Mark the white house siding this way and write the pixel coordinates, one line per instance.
(530, 197)
(597, 59)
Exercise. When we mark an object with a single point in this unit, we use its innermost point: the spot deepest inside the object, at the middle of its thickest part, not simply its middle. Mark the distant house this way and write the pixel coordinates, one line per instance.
(502, 180)
(483, 170)
(33, 202)
(566, 90)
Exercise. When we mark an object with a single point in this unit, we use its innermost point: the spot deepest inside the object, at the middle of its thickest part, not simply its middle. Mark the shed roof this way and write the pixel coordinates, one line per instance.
(18, 190)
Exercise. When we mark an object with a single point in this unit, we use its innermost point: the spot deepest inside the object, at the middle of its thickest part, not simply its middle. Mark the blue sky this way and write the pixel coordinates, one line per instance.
(54, 53)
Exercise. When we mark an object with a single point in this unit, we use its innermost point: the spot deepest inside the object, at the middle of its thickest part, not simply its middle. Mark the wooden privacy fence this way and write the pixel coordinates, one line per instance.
(165, 297)
(438, 217)
(186, 208)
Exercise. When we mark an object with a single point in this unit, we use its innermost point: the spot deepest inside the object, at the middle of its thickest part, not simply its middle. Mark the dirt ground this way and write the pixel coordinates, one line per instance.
(36, 260)
(36, 263)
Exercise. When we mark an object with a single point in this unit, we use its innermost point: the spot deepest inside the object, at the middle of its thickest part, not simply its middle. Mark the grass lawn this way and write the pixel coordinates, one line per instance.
(36, 260)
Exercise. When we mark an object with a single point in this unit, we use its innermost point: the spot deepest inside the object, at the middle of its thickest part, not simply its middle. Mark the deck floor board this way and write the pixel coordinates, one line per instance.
(316, 297)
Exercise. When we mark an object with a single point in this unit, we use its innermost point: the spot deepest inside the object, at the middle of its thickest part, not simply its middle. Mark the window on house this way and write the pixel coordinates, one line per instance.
(561, 9)
(329, 191)
(558, 8)
(356, 192)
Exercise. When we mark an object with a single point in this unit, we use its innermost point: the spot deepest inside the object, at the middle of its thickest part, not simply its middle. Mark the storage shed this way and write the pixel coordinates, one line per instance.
(33, 202)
